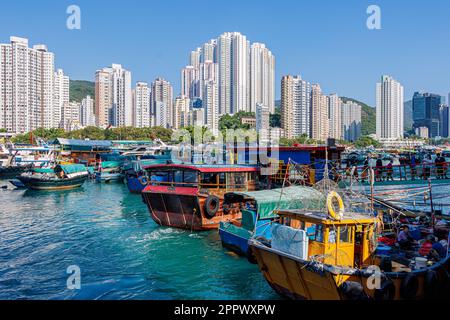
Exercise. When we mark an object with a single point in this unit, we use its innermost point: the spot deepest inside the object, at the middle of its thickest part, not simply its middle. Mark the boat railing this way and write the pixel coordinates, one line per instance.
(198, 185)
(402, 172)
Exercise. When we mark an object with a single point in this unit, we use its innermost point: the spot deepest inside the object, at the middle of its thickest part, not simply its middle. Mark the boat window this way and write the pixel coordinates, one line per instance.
(159, 177)
(332, 236)
(209, 179)
(237, 180)
(315, 232)
(178, 176)
(345, 234)
(190, 178)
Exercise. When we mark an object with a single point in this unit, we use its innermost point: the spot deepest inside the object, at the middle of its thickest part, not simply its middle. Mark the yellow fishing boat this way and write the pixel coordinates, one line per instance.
(330, 255)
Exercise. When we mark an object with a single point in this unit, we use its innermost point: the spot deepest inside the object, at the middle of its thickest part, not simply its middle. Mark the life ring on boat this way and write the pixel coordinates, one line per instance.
(409, 286)
(431, 284)
(333, 195)
(143, 180)
(212, 205)
(386, 291)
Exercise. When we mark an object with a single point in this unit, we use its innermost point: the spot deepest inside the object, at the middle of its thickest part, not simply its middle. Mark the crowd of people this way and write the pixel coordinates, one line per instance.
(410, 168)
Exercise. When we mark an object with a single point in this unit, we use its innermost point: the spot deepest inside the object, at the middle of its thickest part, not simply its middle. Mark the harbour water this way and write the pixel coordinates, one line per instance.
(122, 254)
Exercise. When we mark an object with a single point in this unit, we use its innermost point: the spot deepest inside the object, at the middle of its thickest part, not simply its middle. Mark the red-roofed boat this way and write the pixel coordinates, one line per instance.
(191, 196)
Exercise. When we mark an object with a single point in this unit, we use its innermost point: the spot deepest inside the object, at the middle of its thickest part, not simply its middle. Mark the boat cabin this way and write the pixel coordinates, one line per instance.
(344, 242)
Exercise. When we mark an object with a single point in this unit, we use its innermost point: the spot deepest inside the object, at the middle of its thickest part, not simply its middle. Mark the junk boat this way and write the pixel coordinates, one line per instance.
(63, 177)
(258, 211)
(191, 196)
(319, 255)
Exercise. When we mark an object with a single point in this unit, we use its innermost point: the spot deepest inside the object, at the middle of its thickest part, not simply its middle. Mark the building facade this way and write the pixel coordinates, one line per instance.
(351, 121)
(60, 95)
(87, 112)
(295, 106)
(26, 82)
(389, 109)
(262, 77)
(426, 112)
(319, 114)
(113, 97)
(161, 103)
(335, 116)
(141, 105)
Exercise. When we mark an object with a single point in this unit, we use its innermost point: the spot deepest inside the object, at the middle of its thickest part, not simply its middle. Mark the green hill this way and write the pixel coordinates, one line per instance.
(79, 89)
(368, 117)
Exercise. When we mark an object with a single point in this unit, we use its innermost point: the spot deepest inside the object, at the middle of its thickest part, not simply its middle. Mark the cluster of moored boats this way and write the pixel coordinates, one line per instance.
(309, 236)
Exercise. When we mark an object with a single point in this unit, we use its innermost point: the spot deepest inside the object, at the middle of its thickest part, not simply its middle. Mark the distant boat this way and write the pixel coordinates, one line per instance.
(63, 177)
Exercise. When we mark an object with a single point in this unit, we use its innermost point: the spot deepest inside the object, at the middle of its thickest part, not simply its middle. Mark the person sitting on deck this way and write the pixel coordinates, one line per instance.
(440, 249)
(405, 239)
(427, 245)
(426, 164)
(390, 171)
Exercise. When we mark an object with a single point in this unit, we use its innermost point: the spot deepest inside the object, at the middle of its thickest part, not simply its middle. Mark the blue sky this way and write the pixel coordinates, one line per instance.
(324, 41)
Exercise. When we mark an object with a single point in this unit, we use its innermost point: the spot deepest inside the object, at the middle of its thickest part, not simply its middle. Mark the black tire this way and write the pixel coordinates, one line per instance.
(409, 287)
(431, 284)
(386, 291)
(212, 205)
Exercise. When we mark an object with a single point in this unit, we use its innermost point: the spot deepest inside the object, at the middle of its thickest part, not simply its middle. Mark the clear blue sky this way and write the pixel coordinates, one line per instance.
(325, 41)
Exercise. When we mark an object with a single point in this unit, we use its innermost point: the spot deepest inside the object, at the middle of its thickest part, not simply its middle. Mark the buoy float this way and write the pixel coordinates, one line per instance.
(333, 195)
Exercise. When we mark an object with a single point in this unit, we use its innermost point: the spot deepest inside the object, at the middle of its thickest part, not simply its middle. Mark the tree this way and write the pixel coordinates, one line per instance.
(366, 141)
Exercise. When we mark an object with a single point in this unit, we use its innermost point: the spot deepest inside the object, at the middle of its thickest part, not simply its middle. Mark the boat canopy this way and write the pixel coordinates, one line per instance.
(289, 198)
(111, 164)
(204, 168)
(71, 168)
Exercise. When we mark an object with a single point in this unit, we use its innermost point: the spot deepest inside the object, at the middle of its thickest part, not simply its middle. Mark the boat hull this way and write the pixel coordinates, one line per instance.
(11, 172)
(183, 208)
(295, 278)
(53, 184)
(134, 184)
(108, 177)
(235, 241)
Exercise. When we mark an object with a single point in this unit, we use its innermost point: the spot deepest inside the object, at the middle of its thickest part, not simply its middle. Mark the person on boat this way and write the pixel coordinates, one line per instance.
(405, 239)
(413, 167)
(426, 165)
(379, 168)
(427, 245)
(390, 171)
(439, 249)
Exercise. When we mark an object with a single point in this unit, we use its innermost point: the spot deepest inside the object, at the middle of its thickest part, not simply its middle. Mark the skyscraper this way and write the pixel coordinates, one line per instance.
(181, 111)
(60, 95)
(26, 80)
(444, 121)
(141, 105)
(335, 116)
(426, 112)
(389, 109)
(245, 74)
(161, 103)
(351, 121)
(262, 122)
(190, 82)
(113, 97)
(262, 77)
(319, 114)
(87, 112)
(211, 106)
(295, 106)
(71, 116)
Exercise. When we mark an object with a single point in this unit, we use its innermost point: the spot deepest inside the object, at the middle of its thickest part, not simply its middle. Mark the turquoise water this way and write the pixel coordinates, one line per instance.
(121, 252)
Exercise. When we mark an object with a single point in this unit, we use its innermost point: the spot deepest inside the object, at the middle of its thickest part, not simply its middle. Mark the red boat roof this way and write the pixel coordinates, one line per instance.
(206, 168)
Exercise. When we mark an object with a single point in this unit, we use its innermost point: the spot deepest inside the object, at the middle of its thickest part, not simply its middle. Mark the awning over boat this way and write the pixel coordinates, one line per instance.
(111, 164)
(289, 198)
(83, 145)
(71, 168)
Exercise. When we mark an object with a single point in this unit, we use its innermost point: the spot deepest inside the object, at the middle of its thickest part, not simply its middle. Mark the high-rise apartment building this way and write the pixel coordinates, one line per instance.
(70, 119)
(26, 82)
(141, 105)
(190, 82)
(319, 114)
(351, 121)
(181, 110)
(262, 122)
(262, 77)
(295, 106)
(113, 97)
(389, 109)
(61, 93)
(334, 116)
(87, 112)
(211, 106)
(161, 103)
(245, 74)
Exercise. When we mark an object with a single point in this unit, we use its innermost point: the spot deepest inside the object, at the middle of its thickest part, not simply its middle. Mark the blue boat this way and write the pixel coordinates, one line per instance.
(258, 209)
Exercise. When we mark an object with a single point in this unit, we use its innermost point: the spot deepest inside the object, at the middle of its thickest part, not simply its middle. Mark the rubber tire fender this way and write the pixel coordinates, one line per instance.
(212, 206)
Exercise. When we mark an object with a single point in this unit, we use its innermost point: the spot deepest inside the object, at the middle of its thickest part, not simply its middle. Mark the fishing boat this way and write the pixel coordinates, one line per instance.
(340, 260)
(191, 196)
(258, 210)
(109, 167)
(63, 177)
